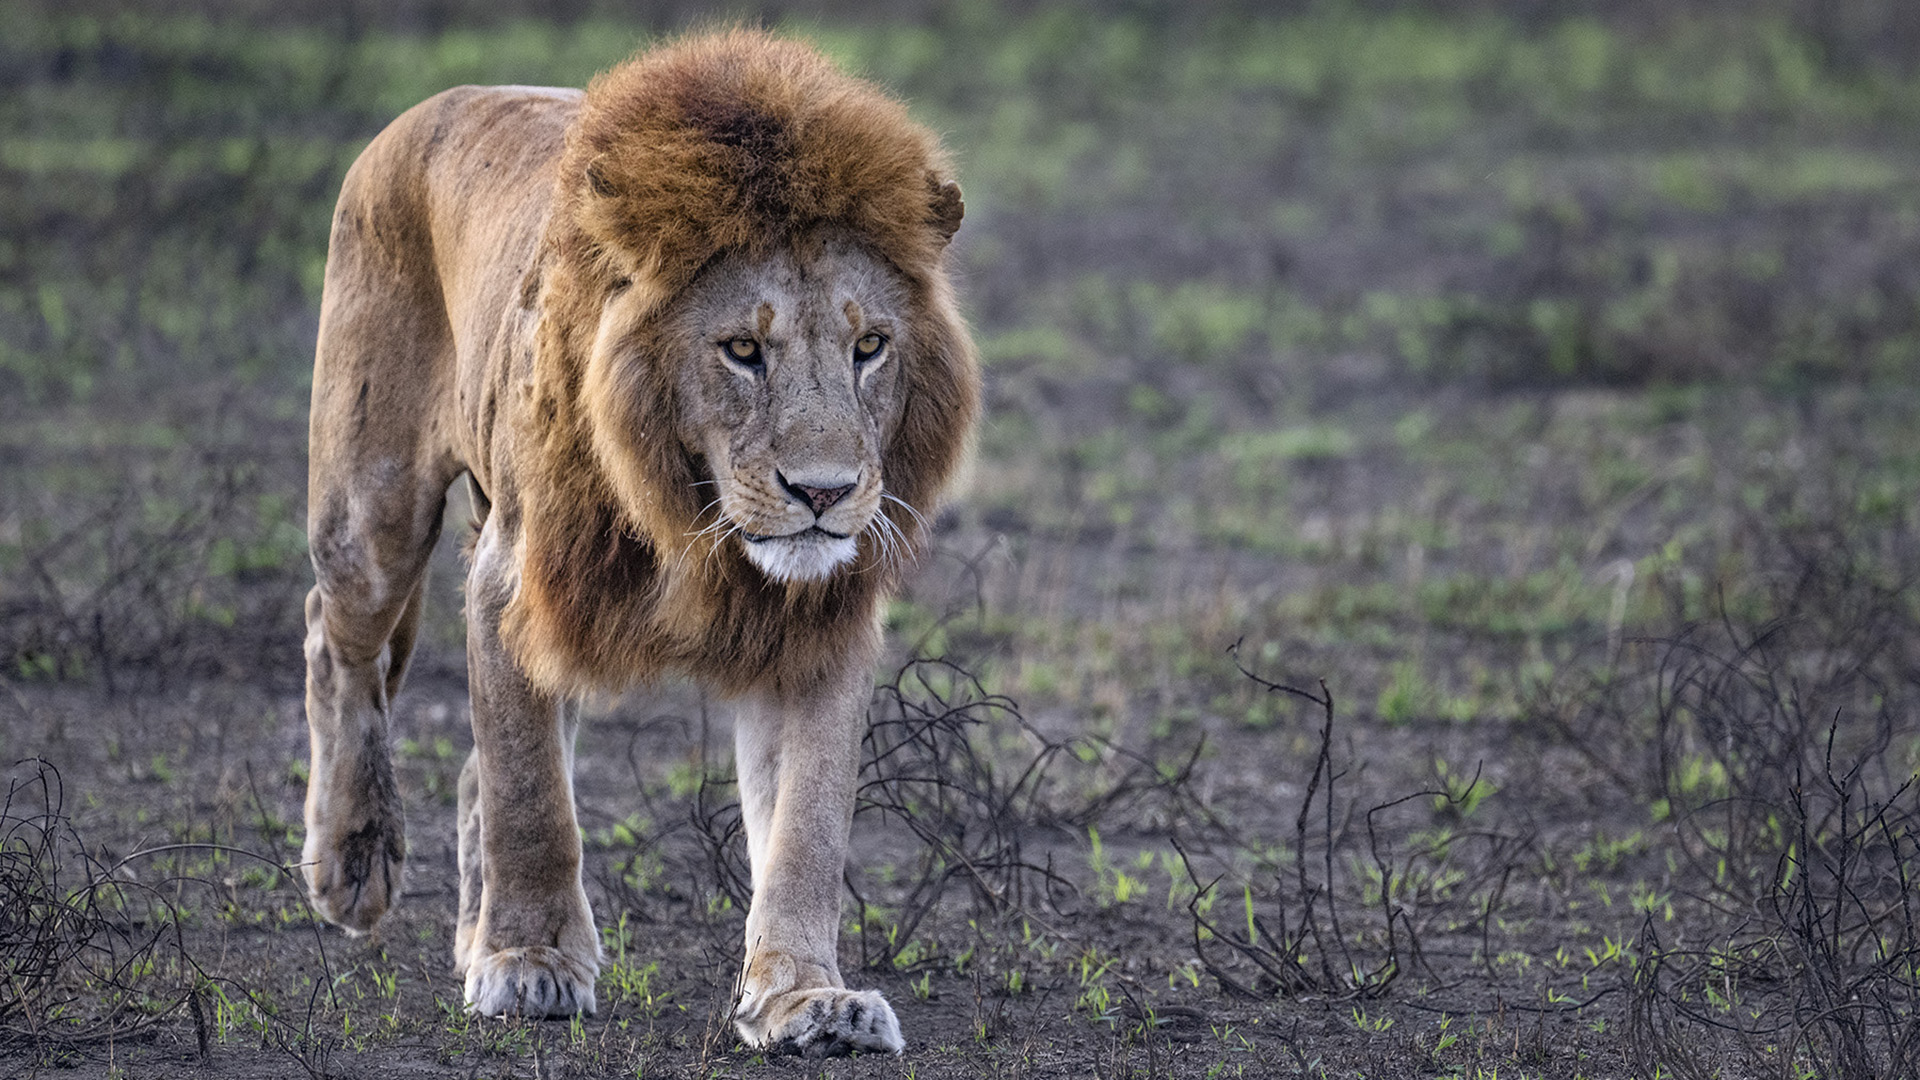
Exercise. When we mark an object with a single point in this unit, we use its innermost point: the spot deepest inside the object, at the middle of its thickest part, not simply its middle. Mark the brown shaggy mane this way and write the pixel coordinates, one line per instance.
(738, 141)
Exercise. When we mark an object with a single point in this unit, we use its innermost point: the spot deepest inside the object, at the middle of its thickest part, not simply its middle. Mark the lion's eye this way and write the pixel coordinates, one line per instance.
(743, 350)
(868, 347)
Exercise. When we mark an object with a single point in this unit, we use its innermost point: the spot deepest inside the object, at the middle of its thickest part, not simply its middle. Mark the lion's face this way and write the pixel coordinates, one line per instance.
(788, 378)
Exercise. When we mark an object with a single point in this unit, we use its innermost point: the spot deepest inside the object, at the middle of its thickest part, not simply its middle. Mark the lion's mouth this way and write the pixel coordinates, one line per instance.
(812, 532)
(810, 554)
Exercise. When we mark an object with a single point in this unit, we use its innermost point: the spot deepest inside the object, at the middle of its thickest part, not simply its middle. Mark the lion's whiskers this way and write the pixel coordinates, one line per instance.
(695, 537)
(884, 552)
(898, 543)
(718, 524)
(732, 527)
(896, 539)
(888, 536)
(917, 516)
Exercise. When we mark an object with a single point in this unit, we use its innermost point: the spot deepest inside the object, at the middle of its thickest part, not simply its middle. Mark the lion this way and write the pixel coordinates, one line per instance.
(690, 338)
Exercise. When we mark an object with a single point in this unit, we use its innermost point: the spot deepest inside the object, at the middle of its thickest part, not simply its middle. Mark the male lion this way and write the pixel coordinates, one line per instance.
(689, 336)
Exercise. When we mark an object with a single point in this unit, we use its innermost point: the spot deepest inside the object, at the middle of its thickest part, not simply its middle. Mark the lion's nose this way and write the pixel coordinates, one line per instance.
(817, 498)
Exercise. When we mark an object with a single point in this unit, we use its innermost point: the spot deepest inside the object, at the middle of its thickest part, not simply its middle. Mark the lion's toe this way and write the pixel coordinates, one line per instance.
(825, 1022)
(534, 982)
(353, 879)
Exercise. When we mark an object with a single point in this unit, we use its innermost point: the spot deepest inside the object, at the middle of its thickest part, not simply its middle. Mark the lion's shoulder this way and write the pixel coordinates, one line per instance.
(462, 145)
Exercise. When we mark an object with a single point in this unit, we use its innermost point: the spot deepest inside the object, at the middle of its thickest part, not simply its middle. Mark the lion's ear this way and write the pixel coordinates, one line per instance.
(945, 207)
(597, 179)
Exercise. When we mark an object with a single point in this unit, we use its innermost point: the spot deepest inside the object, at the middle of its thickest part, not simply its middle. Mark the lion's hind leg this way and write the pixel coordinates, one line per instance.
(356, 831)
(370, 551)
(526, 938)
(472, 858)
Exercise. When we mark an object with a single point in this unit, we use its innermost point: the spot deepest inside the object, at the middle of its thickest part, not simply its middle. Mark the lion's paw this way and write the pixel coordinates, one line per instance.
(536, 981)
(822, 1022)
(352, 877)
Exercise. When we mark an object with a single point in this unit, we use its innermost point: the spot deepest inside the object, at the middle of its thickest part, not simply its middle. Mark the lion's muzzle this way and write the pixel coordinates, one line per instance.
(816, 498)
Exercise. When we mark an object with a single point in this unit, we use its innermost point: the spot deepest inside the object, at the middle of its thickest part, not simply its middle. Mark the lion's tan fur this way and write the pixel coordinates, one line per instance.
(507, 296)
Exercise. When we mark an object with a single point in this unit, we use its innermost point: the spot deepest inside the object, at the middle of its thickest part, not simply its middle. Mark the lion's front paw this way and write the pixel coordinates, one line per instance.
(353, 875)
(821, 1022)
(536, 981)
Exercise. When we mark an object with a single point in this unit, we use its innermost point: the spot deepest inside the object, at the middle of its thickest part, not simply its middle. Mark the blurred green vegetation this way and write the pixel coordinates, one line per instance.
(1464, 196)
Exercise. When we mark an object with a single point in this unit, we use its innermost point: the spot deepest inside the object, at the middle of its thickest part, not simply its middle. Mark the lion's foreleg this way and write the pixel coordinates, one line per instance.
(798, 758)
(530, 949)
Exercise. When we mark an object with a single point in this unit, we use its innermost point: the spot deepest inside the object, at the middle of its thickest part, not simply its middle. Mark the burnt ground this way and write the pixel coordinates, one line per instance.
(1434, 597)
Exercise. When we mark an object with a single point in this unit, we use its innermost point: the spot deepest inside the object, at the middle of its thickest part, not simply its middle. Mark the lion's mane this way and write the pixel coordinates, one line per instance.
(739, 142)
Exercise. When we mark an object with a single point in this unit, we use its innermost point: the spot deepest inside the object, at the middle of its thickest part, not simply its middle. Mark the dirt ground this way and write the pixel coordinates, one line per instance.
(1434, 598)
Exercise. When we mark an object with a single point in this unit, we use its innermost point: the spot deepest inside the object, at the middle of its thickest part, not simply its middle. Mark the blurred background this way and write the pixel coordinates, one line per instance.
(1210, 250)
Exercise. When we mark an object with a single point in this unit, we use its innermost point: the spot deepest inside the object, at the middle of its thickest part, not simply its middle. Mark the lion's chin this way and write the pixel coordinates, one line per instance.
(809, 556)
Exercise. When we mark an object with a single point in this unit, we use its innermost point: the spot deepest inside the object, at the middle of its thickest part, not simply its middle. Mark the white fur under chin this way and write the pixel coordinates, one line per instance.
(809, 558)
